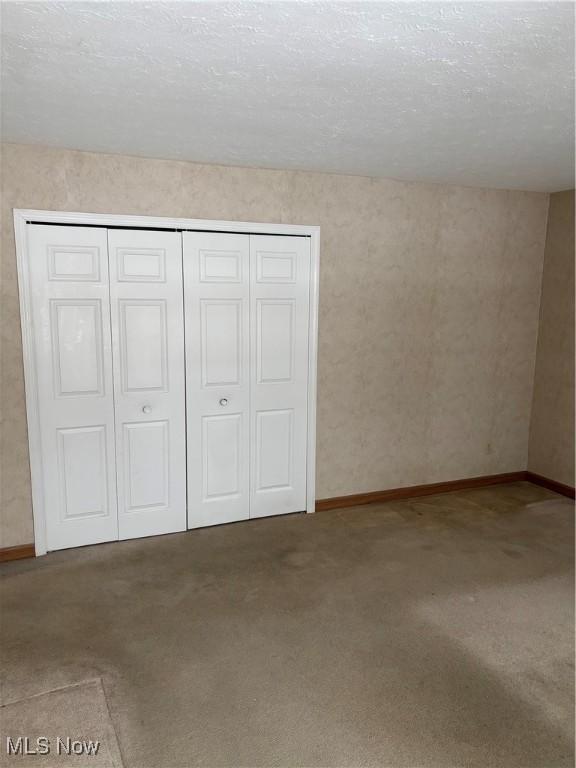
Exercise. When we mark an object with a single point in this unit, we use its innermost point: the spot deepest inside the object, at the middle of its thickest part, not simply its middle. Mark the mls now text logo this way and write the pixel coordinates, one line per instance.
(23, 745)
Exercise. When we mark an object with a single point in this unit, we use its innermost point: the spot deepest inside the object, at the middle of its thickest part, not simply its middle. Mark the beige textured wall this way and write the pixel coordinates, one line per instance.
(551, 451)
(429, 302)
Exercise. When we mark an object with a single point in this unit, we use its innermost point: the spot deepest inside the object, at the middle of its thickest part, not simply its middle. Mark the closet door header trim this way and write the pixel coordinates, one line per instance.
(30, 216)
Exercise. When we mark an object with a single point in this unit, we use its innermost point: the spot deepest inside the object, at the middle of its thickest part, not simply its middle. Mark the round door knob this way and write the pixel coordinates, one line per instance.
(147, 409)
(223, 401)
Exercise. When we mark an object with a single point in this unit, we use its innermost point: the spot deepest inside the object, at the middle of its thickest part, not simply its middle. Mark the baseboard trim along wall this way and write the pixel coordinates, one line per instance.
(552, 485)
(17, 553)
(23, 551)
(413, 491)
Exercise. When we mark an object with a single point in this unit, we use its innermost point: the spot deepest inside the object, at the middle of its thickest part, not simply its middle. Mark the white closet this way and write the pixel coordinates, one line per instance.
(247, 311)
(71, 318)
(170, 377)
(148, 363)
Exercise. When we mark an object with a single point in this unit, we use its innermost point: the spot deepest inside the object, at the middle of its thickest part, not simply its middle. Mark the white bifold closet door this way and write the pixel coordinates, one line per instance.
(134, 413)
(279, 315)
(109, 343)
(149, 397)
(71, 319)
(246, 301)
(216, 308)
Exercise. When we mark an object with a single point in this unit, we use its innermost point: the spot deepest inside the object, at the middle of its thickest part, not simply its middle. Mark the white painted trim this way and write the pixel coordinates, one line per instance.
(30, 383)
(23, 216)
(312, 369)
(162, 222)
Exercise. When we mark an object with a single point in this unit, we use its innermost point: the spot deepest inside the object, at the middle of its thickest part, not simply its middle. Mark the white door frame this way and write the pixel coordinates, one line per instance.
(23, 217)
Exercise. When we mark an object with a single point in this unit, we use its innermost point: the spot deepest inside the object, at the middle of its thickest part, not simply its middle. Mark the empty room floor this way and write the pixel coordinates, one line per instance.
(431, 632)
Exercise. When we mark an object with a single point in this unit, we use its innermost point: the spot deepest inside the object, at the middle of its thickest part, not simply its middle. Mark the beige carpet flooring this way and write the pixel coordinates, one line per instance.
(434, 632)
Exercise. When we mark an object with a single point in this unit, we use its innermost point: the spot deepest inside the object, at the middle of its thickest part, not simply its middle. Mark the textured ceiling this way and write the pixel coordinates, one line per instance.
(472, 93)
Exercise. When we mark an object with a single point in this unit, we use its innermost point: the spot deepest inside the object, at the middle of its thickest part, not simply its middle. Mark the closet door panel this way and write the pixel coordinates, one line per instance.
(221, 440)
(279, 305)
(71, 311)
(148, 351)
(146, 465)
(83, 472)
(216, 298)
(274, 449)
(144, 366)
(221, 342)
(76, 329)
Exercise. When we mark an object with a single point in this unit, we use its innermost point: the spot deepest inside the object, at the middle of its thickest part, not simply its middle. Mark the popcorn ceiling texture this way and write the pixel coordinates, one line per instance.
(479, 94)
(429, 301)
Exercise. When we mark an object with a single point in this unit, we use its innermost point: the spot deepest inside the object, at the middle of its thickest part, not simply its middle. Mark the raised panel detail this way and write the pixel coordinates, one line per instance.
(221, 452)
(141, 265)
(275, 267)
(221, 340)
(75, 263)
(82, 472)
(146, 465)
(76, 330)
(220, 267)
(143, 345)
(275, 340)
(274, 449)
